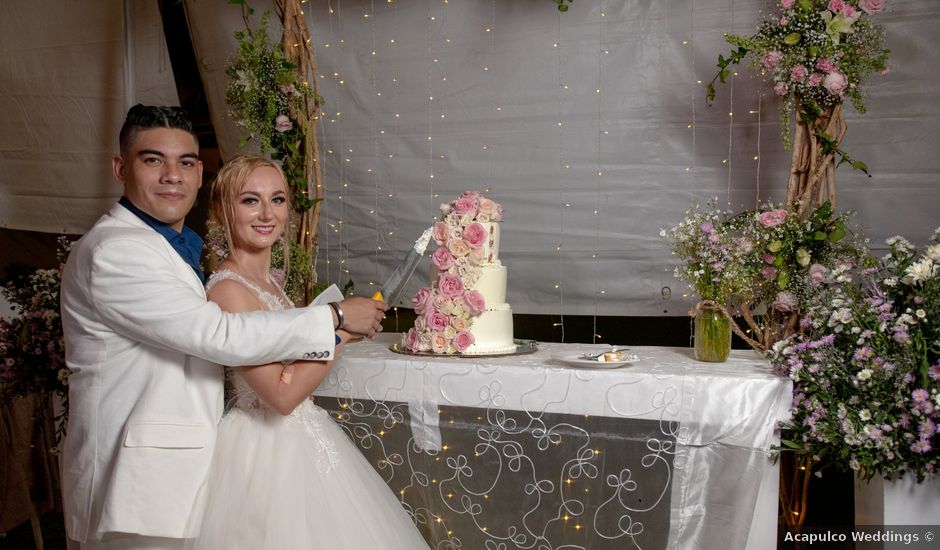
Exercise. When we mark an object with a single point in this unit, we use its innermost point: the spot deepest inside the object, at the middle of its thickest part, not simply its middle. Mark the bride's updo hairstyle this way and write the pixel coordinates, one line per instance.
(228, 185)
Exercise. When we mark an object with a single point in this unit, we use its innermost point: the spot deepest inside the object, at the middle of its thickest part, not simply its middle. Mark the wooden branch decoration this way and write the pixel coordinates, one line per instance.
(295, 43)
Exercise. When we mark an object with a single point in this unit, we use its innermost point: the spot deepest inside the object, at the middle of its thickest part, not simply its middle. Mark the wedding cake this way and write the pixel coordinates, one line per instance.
(464, 310)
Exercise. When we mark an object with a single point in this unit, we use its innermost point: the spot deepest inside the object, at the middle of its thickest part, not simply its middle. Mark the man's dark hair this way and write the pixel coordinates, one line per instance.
(145, 117)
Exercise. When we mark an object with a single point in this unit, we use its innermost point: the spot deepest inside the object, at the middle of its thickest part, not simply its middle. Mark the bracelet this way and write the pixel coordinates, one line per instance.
(339, 315)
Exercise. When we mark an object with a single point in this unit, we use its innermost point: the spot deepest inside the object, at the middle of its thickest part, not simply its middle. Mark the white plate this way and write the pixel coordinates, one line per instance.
(575, 360)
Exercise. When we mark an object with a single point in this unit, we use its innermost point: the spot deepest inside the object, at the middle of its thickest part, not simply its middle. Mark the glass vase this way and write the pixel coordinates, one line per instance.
(712, 336)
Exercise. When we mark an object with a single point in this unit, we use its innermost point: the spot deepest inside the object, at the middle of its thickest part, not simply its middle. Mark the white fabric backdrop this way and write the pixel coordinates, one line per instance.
(67, 77)
(63, 108)
(635, 133)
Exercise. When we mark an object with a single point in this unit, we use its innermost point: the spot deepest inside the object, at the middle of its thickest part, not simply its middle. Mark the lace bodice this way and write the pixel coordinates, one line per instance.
(241, 396)
(272, 301)
(237, 391)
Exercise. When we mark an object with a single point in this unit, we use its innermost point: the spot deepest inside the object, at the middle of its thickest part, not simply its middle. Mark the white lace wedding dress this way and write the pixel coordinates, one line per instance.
(294, 482)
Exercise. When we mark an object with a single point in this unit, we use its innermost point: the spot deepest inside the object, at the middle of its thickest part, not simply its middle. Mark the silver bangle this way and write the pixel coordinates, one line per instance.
(339, 315)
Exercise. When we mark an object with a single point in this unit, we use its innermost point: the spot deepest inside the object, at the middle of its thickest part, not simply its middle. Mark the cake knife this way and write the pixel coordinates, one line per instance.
(395, 284)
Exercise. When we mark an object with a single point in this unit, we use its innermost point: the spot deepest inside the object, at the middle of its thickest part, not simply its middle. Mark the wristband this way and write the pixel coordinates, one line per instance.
(339, 315)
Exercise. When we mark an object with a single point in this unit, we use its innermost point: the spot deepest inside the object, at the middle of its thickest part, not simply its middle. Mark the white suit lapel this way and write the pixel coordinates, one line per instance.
(186, 272)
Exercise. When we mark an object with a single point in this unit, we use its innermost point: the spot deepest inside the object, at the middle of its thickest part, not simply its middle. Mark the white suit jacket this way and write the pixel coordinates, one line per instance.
(145, 393)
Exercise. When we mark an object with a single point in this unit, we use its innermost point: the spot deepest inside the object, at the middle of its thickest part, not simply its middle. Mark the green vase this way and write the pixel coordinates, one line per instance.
(712, 336)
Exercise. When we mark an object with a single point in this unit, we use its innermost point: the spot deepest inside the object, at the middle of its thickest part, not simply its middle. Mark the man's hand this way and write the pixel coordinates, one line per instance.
(363, 316)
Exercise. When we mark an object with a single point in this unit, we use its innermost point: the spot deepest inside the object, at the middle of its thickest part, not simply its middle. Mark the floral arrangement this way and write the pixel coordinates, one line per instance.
(272, 101)
(816, 53)
(263, 92)
(760, 260)
(778, 250)
(709, 254)
(866, 365)
(31, 343)
(446, 308)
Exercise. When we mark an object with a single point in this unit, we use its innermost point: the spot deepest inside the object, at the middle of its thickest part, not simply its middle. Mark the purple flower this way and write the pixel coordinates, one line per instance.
(921, 446)
(707, 227)
(920, 395)
(926, 429)
(862, 354)
(934, 372)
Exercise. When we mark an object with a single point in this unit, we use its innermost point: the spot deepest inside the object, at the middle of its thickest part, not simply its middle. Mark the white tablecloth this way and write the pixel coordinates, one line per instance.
(713, 423)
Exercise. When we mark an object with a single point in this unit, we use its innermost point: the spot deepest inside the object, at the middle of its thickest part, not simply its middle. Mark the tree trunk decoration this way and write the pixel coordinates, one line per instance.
(812, 166)
(295, 43)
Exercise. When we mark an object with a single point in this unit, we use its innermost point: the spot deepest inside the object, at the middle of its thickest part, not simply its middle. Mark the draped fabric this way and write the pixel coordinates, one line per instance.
(587, 179)
(527, 452)
(65, 82)
(68, 73)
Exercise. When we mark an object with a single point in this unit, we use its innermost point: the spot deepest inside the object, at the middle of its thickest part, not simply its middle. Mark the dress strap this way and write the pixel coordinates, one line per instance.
(272, 301)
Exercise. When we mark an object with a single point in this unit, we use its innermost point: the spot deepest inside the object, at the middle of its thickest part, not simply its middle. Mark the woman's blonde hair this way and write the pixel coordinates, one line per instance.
(228, 185)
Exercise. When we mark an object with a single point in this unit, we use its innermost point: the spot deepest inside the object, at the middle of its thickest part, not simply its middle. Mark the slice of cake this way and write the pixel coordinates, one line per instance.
(464, 310)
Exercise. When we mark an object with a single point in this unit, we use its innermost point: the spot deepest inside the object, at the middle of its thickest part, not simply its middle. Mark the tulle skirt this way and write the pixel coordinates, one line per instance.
(297, 482)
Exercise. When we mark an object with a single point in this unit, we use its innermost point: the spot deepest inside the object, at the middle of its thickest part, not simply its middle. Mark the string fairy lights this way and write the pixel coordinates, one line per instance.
(560, 93)
(601, 51)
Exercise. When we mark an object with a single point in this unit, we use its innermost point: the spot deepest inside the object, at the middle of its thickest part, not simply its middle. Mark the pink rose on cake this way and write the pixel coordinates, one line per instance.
(459, 323)
(467, 272)
(444, 304)
(422, 300)
(476, 256)
(443, 259)
(466, 206)
(462, 341)
(439, 342)
(441, 233)
(474, 302)
(474, 235)
(436, 320)
(450, 285)
(411, 339)
(472, 195)
(459, 248)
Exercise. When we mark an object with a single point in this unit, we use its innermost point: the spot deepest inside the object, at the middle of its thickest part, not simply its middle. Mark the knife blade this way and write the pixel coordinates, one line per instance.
(392, 288)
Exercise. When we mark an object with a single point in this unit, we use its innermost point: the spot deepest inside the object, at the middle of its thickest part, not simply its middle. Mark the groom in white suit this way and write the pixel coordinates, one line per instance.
(144, 347)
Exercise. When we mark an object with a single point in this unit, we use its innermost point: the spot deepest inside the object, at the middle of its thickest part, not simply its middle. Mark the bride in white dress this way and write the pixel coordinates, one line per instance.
(284, 475)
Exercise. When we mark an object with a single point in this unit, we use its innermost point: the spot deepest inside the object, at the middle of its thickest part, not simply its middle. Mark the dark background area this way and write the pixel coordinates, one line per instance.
(831, 496)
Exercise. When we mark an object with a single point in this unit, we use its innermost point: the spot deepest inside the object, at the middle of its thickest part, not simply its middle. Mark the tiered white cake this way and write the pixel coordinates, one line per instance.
(464, 310)
(492, 329)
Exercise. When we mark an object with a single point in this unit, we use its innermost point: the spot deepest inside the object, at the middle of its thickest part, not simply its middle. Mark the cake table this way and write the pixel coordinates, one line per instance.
(522, 451)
